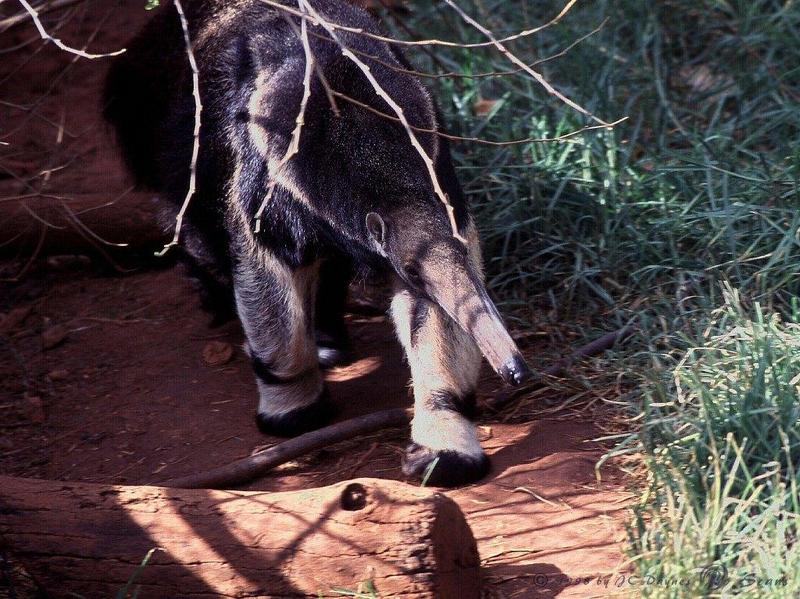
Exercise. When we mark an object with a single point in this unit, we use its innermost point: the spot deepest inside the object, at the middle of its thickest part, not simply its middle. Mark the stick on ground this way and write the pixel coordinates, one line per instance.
(255, 466)
(597, 346)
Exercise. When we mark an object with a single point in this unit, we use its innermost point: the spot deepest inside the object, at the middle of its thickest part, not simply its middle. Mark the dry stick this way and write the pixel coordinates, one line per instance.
(522, 67)
(456, 75)
(320, 75)
(198, 110)
(258, 465)
(255, 466)
(294, 143)
(47, 37)
(513, 58)
(431, 42)
(45, 6)
(400, 115)
(332, 94)
(478, 140)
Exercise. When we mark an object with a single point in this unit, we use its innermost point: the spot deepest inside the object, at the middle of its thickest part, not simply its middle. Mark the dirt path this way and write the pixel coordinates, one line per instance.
(127, 397)
(123, 394)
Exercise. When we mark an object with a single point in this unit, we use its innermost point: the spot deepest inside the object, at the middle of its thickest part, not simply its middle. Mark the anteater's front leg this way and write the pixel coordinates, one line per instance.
(445, 365)
(276, 307)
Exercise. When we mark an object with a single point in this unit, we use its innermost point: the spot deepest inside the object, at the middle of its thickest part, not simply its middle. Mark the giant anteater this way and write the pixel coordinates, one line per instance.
(357, 193)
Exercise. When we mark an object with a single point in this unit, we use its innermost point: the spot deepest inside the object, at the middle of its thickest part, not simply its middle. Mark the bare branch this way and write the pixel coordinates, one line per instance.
(597, 346)
(320, 75)
(9, 22)
(400, 115)
(328, 90)
(294, 143)
(488, 74)
(47, 37)
(497, 43)
(79, 223)
(432, 42)
(511, 57)
(478, 140)
(257, 465)
(198, 110)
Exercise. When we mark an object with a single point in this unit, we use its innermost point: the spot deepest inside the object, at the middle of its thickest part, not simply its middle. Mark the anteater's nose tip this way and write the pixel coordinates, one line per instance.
(515, 371)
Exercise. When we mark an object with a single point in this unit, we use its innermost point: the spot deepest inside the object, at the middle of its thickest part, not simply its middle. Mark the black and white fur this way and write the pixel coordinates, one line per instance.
(355, 195)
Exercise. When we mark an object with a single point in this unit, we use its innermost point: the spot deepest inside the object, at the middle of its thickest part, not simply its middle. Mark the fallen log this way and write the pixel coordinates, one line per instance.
(123, 229)
(88, 540)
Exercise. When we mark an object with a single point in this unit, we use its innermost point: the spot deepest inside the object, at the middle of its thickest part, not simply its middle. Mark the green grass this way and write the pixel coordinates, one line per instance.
(685, 218)
(695, 188)
(722, 439)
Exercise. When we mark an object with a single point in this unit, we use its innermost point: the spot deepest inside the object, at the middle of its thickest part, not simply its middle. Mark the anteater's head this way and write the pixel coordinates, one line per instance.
(422, 250)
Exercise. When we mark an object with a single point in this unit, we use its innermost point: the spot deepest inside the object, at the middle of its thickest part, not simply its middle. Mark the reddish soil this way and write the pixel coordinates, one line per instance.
(103, 379)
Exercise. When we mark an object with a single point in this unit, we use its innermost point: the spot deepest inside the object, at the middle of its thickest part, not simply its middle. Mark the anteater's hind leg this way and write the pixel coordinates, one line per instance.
(208, 268)
(276, 307)
(445, 364)
(333, 342)
(215, 288)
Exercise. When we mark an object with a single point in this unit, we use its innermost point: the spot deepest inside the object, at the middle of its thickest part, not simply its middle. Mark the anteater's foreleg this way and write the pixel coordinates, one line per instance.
(276, 307)
(445, 364)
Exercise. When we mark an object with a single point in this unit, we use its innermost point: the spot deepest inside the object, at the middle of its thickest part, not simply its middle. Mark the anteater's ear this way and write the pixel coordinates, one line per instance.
(376, 228)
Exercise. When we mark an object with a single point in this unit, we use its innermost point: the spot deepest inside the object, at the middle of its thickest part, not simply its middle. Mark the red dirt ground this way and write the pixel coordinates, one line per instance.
(124, 394)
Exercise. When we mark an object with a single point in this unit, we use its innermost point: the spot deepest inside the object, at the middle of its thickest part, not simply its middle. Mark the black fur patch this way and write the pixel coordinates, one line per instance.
(242, 56)
(301, 420)
(447, 400)
(333, 341)
(216, 295)
(451, 470)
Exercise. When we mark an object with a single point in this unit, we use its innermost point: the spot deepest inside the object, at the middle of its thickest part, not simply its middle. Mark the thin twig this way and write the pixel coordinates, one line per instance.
(257, 465)
(294, 143)
(515, 60)
(34, 255)
(437, 188)
(482, 75)
(320, 74)
(47, 37)
(79, 223)
(430, 42)
(479, 140)
(198, 110)
(45, 6)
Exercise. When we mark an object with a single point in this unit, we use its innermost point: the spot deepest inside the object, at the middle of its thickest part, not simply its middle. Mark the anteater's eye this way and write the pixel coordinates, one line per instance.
(412, 273)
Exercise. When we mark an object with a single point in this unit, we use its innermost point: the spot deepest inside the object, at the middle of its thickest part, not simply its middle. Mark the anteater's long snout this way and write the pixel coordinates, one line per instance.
(461, 294)
(482, 321)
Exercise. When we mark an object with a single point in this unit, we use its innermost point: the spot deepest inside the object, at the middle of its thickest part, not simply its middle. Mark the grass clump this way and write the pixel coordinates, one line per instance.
(722, 439)
(698, 186)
